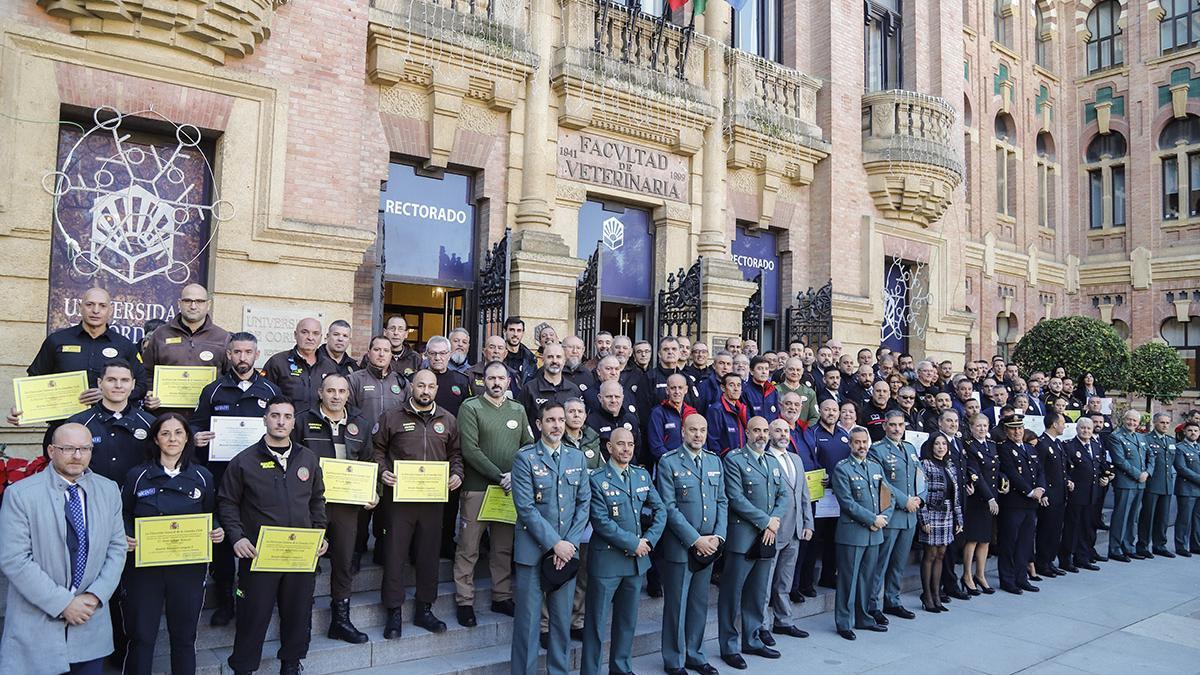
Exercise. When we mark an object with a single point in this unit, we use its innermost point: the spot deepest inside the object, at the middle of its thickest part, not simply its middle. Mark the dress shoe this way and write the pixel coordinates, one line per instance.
(899, 611)
(577, 634)
(1034, 577)
(765, 652)
(290, 667)
(1090, 566)
(1043, 572)
(425, 619)
(1071, 568)
(1028, 587)
(957, 594)
(1183, 553)
(395, 623)
(1059, 571)
(674, 671)
(466, 616)
(811, 592)
(879, 618)
(796, 597)
(1144, 555)
(1119, 557)
(703, 668)
(505, 607)
(1099, 558)
(1164, 553)
(544, 640)
(847, 635)
(944, 596)
(790, 631)
(765, 637)
(1011, 589)
(873, 627)
(735, 661)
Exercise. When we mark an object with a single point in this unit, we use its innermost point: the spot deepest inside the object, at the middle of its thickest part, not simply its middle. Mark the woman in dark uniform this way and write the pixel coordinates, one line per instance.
(940, 517)
(167, 484)
(983, 471)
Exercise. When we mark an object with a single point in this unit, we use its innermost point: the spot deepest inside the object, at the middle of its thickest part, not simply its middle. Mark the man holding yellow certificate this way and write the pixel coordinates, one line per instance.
(276, 483)
(421, 435)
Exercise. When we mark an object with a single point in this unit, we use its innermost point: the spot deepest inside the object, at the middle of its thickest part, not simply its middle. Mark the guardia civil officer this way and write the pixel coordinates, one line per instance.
(552, 496)
(120, 429)
(900, 465)
(1018, 508)
(1160, 487)
(691, 484)
(1085, 465)
(334, 431)
(757, 503)
(241, 391)
(857, 483)
(168, 483)
(274, 482)
(619, 553)
(1187, 466)
(1128, 453)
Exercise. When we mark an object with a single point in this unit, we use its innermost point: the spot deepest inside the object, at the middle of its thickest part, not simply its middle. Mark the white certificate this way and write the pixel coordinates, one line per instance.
(1105, 405)
(827, 506)
(233, 434)
(1068, 432)
(917, 438)
(1036, 424)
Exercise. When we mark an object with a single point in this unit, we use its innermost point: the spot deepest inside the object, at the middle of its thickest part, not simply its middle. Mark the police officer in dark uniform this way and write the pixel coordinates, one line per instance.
(298, 372)
(333, 431)
(240, 392)
(493, 350)
(982, 505)
(1058, 486)
(169, 483)
(279, 483)
(1018, 508)
(120, 429)
(1085, 466)
(548, 384)
(337, 341)
(612, 413)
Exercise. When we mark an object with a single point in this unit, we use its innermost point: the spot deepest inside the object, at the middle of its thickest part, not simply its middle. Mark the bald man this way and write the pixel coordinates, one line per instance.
(548, 383)
(189, 339)
(298, 372)
(493, 350)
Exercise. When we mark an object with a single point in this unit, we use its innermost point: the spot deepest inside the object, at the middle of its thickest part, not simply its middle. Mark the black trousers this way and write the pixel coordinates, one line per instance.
(1076, 548)
(223, 560)
(260, 593)
(342, 533)
(181, 589)
(418, 526)
(1049, 534)
(1017, 532)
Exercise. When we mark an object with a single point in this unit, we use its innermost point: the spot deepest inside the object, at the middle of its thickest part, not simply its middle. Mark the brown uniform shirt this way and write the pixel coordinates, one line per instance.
(404, 433)
(174, 344)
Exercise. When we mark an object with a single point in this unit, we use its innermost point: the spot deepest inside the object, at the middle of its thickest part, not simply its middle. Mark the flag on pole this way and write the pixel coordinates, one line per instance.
(698, 6)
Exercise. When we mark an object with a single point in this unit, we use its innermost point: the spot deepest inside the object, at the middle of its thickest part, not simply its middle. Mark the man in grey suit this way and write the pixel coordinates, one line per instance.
(62, 548)
(795, 527)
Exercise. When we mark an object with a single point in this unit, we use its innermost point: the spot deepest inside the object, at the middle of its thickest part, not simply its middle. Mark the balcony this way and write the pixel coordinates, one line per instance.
(910, 154)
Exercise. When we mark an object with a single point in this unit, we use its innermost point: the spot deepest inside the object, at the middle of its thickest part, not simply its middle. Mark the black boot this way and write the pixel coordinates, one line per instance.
(340, 627)
(224, 612)
(395, 622)
(425, 618)
(290, 667)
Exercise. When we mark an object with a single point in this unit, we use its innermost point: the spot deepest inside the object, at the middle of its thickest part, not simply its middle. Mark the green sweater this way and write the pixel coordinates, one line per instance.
(490, 437)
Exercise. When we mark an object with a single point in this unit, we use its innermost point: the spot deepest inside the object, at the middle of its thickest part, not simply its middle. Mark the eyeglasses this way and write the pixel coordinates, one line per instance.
(73, 450)
(908, 398)
(433, 353)
(192, 301)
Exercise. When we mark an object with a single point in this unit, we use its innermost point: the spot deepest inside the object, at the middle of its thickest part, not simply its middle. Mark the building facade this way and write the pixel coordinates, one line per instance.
(954, 171)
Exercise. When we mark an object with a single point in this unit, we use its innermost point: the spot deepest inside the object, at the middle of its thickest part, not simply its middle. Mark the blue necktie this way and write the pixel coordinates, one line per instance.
(75, 518)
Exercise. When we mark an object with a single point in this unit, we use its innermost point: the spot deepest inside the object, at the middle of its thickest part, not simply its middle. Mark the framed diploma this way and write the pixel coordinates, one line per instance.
(421, 481)
(498, 506)
(233, 435)
(287, 549)
(172, 540)
(349, 482)
(816, 485)
(49, 397)
(180, 386)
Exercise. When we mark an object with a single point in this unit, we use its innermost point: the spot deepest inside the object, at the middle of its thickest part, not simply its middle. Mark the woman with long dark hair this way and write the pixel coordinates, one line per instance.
(1087, 388)
(167, 484)
(939, 518)
(982, 506)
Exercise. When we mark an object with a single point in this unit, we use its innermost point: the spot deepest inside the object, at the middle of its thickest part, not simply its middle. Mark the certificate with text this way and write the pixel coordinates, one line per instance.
(43, 398)
(348, 481)
(173, 540)
(498, 506)
(421, 481)
(287, 549)
(180, 386)
(233, 435)
(816, 484)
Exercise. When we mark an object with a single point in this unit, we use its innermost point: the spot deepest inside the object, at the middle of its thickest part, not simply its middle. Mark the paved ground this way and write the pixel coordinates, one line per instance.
(1137, 617)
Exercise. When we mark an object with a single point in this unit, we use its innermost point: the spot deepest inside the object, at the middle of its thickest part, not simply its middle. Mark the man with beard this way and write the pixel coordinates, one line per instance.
(518, 358)
(872, 414)
(824, 361)
(905, 366)
(793, 382)
(493, 350)
(795, 531)
(573, 369)
(857, 483)
(603, 347)
(933, 415)
(831, 387)
(900, 469)
(298, 372)
(548, 384)
(460, 346)
(611, 413)
(404, 360)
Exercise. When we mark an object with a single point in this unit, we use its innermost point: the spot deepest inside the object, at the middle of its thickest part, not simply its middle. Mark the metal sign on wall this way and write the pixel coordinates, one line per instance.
(614, 163)
(428, 227)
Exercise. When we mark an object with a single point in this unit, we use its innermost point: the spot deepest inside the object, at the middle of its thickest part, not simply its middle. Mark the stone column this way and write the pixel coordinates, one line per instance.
(533, 212)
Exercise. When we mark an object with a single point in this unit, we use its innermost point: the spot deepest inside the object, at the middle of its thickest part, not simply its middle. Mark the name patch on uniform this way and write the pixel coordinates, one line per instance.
(174, 341)
(71, 349)
(220, 408)
(269, 464)
(147, 492)
(410, 426)
(669, 425)
(314, 425)
(368, 387)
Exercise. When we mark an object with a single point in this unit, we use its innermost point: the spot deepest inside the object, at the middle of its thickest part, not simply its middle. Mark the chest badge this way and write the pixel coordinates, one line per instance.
(511, 424)
(395, 389)
(589, 453)
(302, 473)
(352, 428)
(139, 434)
(456, 390)
(206, 355)
(109, 352)
(195, 494)
(439, 428)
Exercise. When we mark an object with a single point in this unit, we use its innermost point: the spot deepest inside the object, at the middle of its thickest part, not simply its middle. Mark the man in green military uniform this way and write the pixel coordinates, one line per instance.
(1156, 498)
(901, 469)
(691, 484)
(1187, 489)
(620, 553)
(1128, 453)
(552, 496)
(856, 483)
(757, 502)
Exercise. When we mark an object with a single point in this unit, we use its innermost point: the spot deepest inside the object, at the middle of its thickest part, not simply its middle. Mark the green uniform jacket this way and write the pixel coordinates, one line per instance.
(589, 445)
(901, 472)
(856, 486)
(1162, 479)
(755, 494)
(490, 437)
(616, 514)
(1129, 455)
(694, 500)
(1187, 465)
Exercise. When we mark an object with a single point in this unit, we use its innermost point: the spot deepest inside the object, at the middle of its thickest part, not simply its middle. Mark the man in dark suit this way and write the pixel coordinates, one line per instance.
(1018, 508)
(1085, 465)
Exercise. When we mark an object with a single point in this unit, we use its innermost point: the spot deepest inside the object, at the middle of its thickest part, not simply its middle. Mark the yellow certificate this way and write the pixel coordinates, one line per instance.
(816, 485)
(180, 386)
(172, 540)
(349, 482)
(421, 481)
(1072, 415)
(498, 506)
(287, 549)
(49, 397)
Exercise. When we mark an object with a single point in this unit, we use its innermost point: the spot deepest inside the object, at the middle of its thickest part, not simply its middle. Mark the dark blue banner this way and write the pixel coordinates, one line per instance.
(627, 255)
(756, 253)
(428, 227)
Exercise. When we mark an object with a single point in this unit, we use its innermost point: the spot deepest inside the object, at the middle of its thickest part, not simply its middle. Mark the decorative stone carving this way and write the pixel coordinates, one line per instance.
(212, 29)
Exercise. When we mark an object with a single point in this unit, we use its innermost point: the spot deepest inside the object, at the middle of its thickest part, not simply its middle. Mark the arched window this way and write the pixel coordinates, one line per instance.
(1179, 146)
(1106, 180)
(1104, 46)
(1184, 336)
(1047, 168)
(881, 36)
(1006, 165)
(1002, 16)
(1041, 37)
(1180, 27)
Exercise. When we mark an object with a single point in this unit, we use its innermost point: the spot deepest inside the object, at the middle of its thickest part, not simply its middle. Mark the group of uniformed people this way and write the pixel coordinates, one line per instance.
(625, 478)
